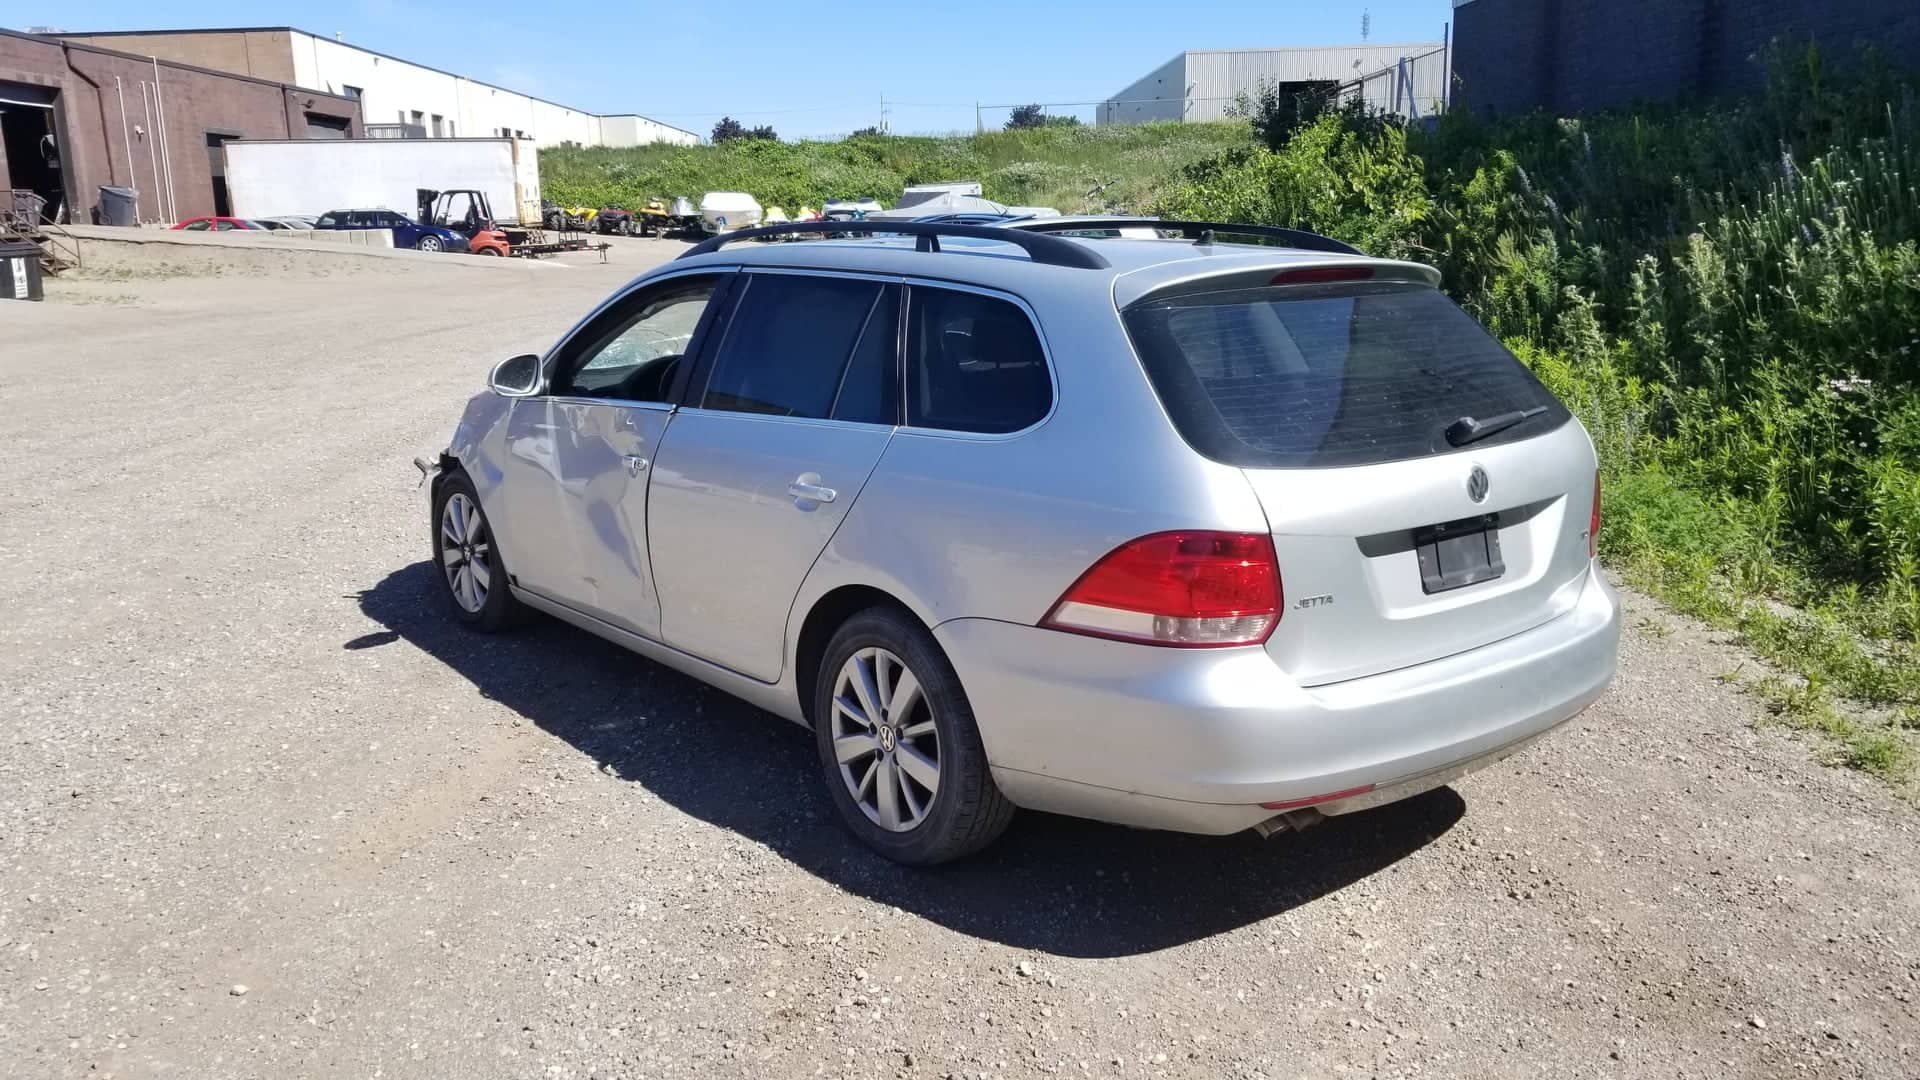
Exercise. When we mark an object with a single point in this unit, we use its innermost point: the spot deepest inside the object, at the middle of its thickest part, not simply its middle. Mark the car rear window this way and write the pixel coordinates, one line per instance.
(1330, 375)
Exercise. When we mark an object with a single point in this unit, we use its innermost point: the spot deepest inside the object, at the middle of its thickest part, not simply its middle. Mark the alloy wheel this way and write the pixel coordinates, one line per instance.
(885, 739)
(464, 547)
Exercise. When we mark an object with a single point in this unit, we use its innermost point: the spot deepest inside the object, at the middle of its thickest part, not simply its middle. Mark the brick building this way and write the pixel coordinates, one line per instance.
(1568, 56)
(75, 118)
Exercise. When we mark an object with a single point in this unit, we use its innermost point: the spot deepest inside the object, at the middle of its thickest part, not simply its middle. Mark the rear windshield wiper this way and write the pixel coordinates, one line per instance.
(1468, 430)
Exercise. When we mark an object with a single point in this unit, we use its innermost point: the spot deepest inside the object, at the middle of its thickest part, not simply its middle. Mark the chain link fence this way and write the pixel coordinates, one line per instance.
(1413, 87)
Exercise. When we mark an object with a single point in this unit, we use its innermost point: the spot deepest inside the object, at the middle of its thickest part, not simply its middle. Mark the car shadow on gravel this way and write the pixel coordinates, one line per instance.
(1052, 884)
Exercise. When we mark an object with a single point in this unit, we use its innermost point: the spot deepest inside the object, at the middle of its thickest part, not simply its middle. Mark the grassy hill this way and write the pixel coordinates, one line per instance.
(1055, 167)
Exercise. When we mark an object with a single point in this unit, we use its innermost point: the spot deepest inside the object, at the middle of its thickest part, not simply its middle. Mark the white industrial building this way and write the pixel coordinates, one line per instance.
(1203, 84)
(397, 97)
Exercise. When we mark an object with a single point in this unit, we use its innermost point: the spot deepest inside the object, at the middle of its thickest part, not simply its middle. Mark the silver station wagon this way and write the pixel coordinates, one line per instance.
(1104, 517)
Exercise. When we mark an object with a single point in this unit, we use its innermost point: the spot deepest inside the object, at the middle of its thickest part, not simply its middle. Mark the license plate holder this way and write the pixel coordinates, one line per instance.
(1459, 553)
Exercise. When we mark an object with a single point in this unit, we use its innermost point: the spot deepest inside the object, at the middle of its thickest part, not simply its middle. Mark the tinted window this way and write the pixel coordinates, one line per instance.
(198, 226)
(870, 389)
(327, 221)
(1330, 375)
(974, 363)
(788, 343)
(632, 353)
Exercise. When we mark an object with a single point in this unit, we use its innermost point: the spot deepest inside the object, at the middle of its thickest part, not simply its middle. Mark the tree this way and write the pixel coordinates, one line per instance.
(1027, 116)
(866, 133)
(728, 129)
(764, 131)
(1277, 110)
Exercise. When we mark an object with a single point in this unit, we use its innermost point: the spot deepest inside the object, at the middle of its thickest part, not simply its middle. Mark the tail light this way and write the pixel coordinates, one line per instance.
(1593, 523)
(1191, 590)
(1321, 275)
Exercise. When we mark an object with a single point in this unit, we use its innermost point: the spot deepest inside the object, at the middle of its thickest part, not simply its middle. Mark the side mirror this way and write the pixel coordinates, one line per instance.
(518, 377)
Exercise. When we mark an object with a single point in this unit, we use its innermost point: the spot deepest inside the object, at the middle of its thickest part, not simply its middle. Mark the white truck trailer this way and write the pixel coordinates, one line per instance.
(282, 177)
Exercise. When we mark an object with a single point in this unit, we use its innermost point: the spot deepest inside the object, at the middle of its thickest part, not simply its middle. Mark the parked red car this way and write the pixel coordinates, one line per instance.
(218, 224)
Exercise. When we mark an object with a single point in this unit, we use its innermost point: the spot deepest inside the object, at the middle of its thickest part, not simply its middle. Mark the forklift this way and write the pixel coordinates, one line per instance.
(467, 212)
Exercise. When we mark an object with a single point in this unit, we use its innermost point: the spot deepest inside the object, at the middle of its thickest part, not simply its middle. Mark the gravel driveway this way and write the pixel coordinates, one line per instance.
(265, 812)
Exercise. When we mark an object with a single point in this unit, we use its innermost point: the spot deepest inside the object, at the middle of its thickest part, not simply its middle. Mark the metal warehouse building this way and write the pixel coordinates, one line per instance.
(397, 97)
(1201, 85)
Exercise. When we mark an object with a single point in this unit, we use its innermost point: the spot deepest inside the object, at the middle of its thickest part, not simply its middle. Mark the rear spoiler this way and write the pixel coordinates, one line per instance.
(1252, 272)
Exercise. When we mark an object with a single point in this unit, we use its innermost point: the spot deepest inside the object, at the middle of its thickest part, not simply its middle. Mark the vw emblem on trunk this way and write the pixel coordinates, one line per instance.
(1477, 484)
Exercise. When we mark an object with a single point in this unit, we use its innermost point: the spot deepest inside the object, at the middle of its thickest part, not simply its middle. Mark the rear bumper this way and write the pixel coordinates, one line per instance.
(1195, 740)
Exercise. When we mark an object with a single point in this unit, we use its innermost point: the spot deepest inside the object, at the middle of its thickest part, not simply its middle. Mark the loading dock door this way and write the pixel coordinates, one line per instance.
(217, 166)
(29, 149)
(322, 126)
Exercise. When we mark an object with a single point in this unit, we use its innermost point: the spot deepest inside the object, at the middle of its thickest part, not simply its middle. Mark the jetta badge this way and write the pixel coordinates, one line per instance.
(1477, 484)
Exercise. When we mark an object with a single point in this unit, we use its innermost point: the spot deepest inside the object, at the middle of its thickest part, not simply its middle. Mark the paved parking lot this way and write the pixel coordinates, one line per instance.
(266, 812)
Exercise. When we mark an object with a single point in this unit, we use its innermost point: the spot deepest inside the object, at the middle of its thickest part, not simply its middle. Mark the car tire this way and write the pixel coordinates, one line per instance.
(930, 734)
(495, 252)
(428, 243)
(463, 542)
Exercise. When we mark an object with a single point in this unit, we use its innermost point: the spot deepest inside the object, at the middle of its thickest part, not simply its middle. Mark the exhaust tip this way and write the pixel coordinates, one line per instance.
(1292, 821)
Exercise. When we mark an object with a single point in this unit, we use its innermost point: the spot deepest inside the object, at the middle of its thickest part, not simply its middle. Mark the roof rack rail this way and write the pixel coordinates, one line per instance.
(1041, 248)
(1198, 231)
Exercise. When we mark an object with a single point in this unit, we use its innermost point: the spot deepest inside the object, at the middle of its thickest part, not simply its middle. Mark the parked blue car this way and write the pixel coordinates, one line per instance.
(406, 233)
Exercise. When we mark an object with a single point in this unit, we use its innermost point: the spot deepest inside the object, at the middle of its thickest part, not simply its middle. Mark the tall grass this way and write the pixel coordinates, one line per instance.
(1055, 166)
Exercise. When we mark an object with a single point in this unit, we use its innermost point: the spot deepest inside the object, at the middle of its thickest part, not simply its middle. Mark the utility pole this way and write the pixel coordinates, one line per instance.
(884, 129)
(1366, 24)
(979, 127)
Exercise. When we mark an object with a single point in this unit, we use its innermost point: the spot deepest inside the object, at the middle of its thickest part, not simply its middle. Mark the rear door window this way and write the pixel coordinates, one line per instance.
(1331, 375)
(870, 388)
(789, 342)
(974, 363)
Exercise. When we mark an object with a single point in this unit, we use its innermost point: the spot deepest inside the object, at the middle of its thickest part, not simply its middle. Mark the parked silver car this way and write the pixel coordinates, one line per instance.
(1170, 532)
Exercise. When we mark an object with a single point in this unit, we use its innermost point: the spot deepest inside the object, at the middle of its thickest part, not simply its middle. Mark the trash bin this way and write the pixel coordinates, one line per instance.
(118, 206)
(20, 271)
(28, 206)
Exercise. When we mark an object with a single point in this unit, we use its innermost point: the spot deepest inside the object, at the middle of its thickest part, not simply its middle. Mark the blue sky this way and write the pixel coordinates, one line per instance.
(805, 69)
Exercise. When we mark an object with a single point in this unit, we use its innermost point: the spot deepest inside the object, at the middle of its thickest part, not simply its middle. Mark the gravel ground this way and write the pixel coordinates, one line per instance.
(264, 812)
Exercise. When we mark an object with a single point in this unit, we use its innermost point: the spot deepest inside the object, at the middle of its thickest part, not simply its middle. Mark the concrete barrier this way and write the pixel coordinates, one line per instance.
(351, 243)
(368, 238)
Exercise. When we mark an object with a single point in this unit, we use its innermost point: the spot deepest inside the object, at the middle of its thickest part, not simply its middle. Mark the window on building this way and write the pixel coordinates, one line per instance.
(353, 92)
(439, 126)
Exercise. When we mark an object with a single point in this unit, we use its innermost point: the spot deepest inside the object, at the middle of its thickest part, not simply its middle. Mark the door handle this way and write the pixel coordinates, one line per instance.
(636, 464)
(807, 486)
